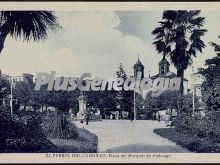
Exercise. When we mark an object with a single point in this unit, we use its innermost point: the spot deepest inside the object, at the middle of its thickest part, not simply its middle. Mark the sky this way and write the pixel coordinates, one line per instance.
(96, 42)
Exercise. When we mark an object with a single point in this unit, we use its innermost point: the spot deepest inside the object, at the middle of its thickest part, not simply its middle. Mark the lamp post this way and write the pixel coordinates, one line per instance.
(193, 92)
(11, 98)
(135, 111)
(2, 90)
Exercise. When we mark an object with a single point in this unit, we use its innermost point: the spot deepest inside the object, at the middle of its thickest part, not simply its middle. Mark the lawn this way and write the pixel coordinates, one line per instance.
(191, 142)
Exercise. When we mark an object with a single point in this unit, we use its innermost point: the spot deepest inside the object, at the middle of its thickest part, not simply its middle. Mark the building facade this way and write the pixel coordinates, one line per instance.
(196, 84)
(164, 71)
(138, 67)
(25, 77)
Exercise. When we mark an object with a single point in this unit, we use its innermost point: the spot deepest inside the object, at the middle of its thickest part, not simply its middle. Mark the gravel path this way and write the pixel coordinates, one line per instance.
(124, 136)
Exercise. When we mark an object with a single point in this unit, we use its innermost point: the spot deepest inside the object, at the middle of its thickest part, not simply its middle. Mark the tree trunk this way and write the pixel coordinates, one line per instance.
(171, 114)
(180, 73)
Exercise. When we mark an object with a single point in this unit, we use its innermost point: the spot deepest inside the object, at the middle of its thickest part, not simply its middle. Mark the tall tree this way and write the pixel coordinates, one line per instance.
(171, 99)
(24, 92)
(102, 99)
(152, 105)
(124, 98)
(179, 37)
(29, 24)
(139, 104)
(211, 87)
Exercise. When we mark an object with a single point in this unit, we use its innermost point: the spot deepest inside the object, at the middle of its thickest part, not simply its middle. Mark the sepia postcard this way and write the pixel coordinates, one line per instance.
(109, 82)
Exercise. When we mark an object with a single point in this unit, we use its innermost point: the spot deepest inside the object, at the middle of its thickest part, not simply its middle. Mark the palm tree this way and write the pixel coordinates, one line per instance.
(29, 24)
(179, 37)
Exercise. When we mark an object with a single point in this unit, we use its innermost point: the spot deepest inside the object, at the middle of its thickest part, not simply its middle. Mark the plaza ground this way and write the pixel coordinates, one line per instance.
(124, 136)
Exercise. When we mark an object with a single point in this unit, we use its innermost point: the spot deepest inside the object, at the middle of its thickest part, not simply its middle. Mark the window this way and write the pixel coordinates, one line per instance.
(162, 69)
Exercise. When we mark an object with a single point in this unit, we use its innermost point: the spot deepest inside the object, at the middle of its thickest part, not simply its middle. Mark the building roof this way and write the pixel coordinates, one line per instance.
(138, 64)
(5, 76)
(164, 61)
(167, 75)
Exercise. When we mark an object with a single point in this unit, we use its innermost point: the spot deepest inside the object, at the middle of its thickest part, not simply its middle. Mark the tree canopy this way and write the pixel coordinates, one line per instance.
(211, 87)
(29, 24)
(179, 38)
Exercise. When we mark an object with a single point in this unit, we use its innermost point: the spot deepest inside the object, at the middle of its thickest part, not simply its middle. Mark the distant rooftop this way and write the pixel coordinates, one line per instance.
(164, 61)
(138, 64)
(167, 75)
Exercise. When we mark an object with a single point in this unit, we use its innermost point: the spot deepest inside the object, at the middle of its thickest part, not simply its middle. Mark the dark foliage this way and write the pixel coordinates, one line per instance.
(29, 24)
(208, 127)
(124, 99)
(57, 125)
(179, 38)
(23, 135)
(189, 141)
(211, 87)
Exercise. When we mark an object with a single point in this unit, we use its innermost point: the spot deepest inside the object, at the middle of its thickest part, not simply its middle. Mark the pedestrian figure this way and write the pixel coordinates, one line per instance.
(131, 116)
(87, 118)
(158, 117)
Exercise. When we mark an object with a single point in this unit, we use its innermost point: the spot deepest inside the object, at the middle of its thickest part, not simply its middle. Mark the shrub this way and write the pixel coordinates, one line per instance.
(208, 127)
(57, 125)
(183, 123)
(15, 136)
(187, 140)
